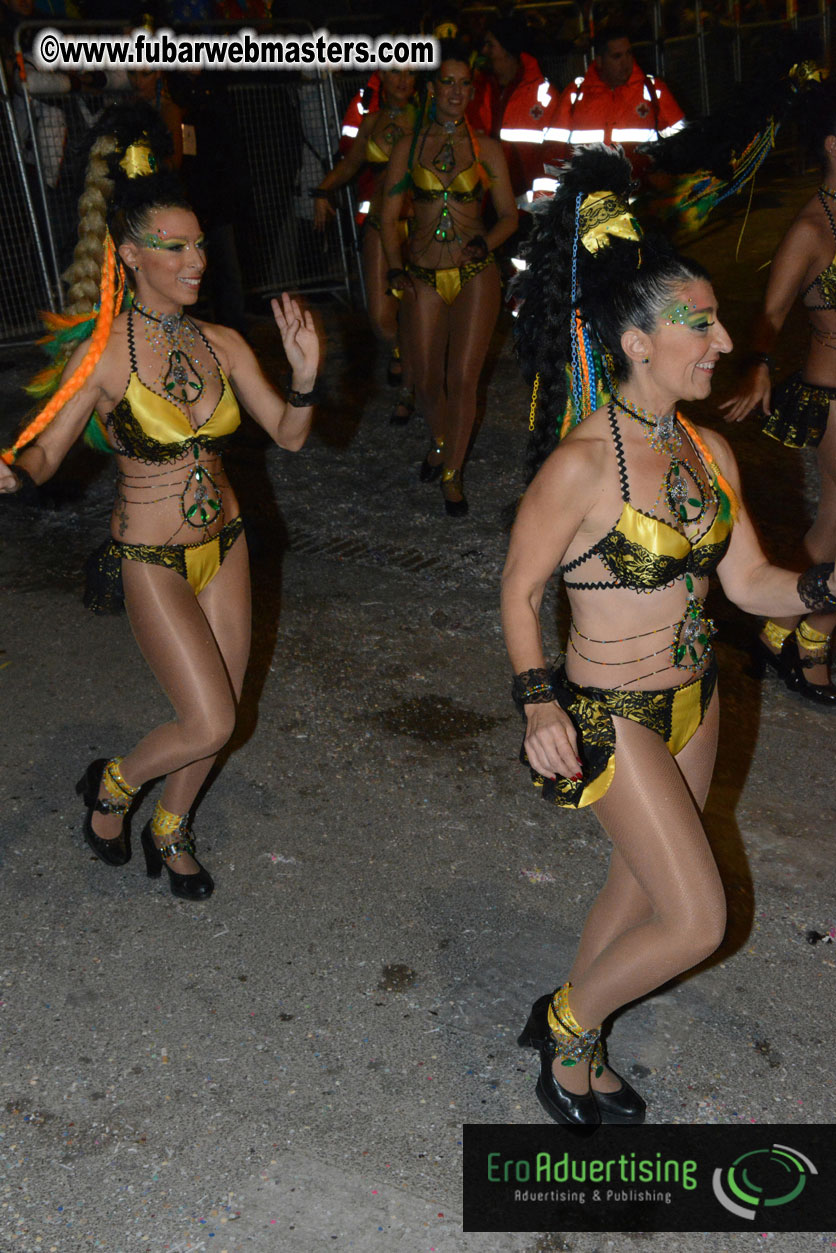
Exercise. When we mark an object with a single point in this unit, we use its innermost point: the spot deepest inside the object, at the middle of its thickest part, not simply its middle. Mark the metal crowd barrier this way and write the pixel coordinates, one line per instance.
(25, 286)
(289, 129)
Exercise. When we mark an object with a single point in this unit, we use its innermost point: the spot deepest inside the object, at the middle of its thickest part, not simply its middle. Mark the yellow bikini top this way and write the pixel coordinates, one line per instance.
(375, 155)
(467, 185)
(150, 427)
(646, 553)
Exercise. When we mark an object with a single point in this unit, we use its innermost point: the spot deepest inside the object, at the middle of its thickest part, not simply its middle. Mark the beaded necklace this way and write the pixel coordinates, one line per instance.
(664, 436)
(175, 340)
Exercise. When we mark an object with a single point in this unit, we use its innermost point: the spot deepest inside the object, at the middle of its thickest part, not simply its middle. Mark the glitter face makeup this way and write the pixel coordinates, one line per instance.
(160, 244)
(687, 315)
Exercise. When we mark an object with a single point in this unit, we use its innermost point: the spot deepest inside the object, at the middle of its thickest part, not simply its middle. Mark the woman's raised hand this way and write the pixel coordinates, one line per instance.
(755, 392)
(551, 741)
(299, 339)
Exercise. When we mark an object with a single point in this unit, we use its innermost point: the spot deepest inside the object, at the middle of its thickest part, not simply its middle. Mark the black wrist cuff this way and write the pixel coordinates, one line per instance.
(532, 687)
(477, 248)
(813, 589)
(301, 400)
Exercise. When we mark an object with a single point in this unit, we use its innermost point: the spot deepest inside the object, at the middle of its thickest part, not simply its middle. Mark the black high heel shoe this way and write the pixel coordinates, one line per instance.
(797, 681)
(763, 659)
(404, 408)
(189, 887)
(622, 1106)
(116, 851)
(431, 470)
(455, 505)
(578, 1110)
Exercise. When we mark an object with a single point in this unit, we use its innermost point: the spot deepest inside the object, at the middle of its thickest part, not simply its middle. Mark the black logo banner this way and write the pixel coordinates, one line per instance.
(668, 1177)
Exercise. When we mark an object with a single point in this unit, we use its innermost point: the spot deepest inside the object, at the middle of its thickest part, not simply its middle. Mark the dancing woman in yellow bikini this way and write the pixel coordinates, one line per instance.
(800, 413)
(162, 385)
(450, 284)
(378, 133)
(637, 507)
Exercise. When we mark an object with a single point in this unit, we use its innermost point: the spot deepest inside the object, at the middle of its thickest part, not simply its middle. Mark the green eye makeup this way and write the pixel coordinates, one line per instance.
(687, 315)
(158, 244)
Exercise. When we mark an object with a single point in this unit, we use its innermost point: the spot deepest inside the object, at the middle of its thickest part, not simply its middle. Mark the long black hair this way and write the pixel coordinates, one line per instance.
(624, 283)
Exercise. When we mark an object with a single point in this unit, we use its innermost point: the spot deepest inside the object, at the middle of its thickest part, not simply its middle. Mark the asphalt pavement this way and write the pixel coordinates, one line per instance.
(289, 1066)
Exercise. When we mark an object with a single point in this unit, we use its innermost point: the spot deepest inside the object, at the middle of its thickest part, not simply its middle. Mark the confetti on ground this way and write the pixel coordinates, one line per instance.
(537, 876)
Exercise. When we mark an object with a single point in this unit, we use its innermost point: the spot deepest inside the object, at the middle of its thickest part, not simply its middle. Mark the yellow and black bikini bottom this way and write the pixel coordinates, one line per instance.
(799, 412)
(674, 713)
(196, 563)
(449, 282)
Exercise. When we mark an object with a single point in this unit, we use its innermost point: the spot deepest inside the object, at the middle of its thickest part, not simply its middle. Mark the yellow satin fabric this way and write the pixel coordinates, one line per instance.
(464, 184)
(603, 214)
(139, 160)
(163, 421)
(651, 534)
(375, 154)
(203, 561)
(663, 540)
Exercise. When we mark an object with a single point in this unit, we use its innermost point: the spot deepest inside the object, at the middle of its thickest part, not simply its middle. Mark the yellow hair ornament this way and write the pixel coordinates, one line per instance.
(139, 160)
(446, 30)
(806, 72)
(603, 214)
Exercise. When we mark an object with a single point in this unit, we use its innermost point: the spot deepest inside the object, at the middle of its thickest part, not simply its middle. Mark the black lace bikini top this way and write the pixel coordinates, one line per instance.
(825, 283)
(645, 553)
(151, 428)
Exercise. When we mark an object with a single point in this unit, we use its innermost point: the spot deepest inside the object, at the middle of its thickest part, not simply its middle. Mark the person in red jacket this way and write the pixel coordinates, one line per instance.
(513, 100)
(615, 102)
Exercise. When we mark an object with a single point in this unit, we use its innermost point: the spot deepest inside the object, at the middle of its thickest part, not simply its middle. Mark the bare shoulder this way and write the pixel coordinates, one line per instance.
(720, 449)
(809, 228)
(228, 345)
(490, 150)
(580, 458)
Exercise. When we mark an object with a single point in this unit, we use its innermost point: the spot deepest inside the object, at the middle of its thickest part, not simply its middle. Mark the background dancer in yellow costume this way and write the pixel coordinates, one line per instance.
(378, 133)
(451, 286)
(162, 384)
(638, 508)
(799, 413)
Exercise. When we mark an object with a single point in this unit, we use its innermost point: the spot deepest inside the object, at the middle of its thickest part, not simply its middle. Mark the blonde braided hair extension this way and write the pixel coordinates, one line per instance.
(83, 275)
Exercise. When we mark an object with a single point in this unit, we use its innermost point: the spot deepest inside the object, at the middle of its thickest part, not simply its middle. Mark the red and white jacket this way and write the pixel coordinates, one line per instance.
(516, 115)
(590, 112)
(352, 118)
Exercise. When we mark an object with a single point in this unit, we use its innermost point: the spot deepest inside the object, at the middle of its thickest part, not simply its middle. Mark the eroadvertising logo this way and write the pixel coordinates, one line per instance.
(762, 1178)
(648, 1178)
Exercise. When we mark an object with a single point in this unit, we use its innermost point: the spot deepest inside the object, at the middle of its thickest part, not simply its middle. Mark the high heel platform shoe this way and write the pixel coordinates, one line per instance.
(569, 1047)
(189, 887)
(404, 408)
(763, 659)
(431, 470)
(452, 489)
(116, 851)
(622, 1106)
(797, 681)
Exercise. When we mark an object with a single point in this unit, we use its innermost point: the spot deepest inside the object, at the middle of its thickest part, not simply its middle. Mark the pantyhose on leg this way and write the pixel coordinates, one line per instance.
(197, 649)
(662, 908)
(820, 544)
(458, 336)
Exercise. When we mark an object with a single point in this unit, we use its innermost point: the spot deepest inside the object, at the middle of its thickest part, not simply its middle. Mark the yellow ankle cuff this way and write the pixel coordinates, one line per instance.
(776, 634)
